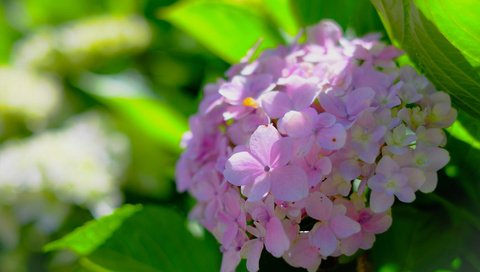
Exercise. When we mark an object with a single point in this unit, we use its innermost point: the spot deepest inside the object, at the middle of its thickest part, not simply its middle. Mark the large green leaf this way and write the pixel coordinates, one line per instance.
(282, 15)
(420, 241)
(442, 60)
(142, 238)
(87, 238)
(226, 29)
(357, 15)
(129, 96)
(458, 22)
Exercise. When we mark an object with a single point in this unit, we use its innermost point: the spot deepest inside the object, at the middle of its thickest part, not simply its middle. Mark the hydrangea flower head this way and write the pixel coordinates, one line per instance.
(303, 151)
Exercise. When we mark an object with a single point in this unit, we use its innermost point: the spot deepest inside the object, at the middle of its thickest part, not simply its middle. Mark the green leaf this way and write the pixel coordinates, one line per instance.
(458, 22)
(458, 131)
(87, 238)
(358, 15)
(427, 46)
(282, 15)
(136, 238)
(226, 29)
(420, 241)
(129, 96)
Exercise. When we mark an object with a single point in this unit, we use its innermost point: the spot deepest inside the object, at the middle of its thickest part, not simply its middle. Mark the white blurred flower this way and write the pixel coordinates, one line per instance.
(83, 42)
(28, 94)
(80, 164)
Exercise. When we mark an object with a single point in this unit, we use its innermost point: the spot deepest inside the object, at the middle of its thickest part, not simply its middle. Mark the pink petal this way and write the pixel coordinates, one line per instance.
(304, 95)
(387, 166)
(325, 119)
(234, 91)
(276, 104)
(262, 141)
(367, 241)
(415, 176)
(230, 261)
(252, 250)
(298, 123)
(344, 226)
(332, 104)
(289, 183)
(303, 254)
(350, 245)
(332, 138)
(319, 206)
(380, 201)
(282, 152)
(431, 180)
(276, 240)
(405, 194)
(258, 189)
(323, 238)
(358, 100)
(242, 168)
(378, 223)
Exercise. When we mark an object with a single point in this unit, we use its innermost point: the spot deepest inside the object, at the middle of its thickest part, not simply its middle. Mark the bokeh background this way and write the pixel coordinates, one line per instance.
(94, 98)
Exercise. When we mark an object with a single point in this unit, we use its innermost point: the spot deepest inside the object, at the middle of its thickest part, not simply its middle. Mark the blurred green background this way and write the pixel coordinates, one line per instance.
(94, 98)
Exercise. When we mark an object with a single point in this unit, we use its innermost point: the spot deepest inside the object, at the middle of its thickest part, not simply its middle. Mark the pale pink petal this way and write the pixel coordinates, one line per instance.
(405, 194)
(367, 241)
(358, 100)
(242, 168)
(203, 191)
(325, 119)
(324, 239)
(275, 104)
(289, 183)
(387, 166)
(262, 141)
(230, 261)
(303, 254)
(350, 245)
(343, 226)
(378, 223)
(252, 250)
(234, 91)
(276, 240)
(377, 183)
(416, 177)
(282, 152)
(380, 201)
(298, 123)
(258, 189)
(319, 206)
(437, 158)
(304, 95)
(332, 138)
(431, 180)
(332, 104)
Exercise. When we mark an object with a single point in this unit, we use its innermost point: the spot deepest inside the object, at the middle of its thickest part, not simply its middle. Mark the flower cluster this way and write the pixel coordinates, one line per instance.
(304, 150)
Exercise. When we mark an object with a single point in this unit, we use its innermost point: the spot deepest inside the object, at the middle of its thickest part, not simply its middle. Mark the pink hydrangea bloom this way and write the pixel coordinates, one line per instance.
(325, 134)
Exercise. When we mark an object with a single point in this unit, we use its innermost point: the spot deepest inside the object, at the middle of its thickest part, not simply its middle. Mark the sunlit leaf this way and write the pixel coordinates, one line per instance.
(458, 131)
(137, 238)
(357, 15)
(227, 30)
(427, 46)
(458, 22)
(282, 14)
(87, 238)
(128, 95)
